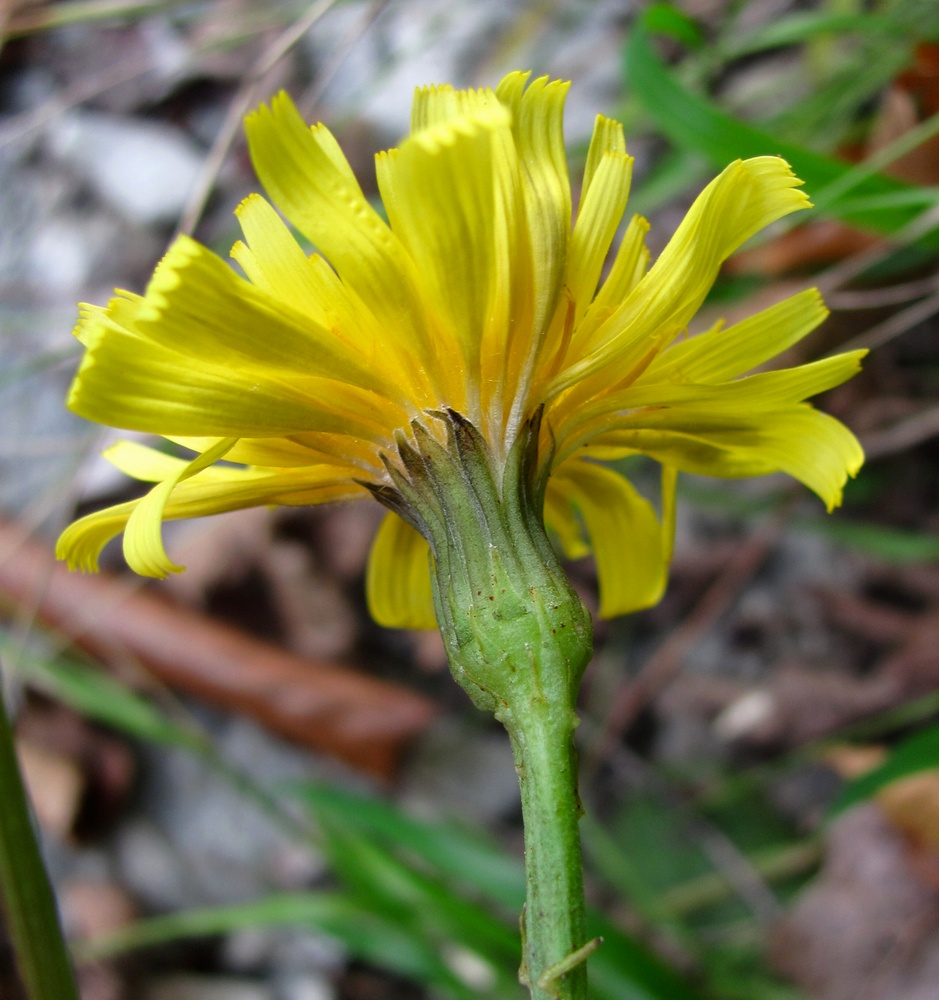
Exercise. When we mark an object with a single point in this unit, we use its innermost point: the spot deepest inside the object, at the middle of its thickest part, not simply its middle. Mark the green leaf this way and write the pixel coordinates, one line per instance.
(694, 123)
(622, 969)
(428, 906)
(913, 755)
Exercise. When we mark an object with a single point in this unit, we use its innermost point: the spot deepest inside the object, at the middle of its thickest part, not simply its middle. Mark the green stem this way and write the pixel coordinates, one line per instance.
(28, 901)
(518, 639)
(553, 925)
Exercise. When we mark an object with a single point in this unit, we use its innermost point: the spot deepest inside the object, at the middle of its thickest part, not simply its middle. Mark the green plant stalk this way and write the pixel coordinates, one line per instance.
(518, 639)
(553, 925)
(28, 902)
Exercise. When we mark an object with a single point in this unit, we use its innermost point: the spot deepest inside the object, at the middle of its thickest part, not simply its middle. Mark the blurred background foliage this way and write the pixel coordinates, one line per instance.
(760, 753)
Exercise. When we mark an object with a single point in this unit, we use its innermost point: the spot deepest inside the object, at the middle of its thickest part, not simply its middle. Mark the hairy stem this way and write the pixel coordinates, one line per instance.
(554, 918)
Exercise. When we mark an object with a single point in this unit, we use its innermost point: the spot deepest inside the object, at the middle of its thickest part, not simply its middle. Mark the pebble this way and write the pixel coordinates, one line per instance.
(305, 986)
(463, 770)
(145, 170)
(186, 987)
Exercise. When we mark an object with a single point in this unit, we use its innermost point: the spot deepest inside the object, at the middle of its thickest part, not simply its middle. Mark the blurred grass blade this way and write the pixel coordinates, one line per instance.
(28, 902)
(892, 545)
(94, 694)
(367, 936)
(465, 857)
(428, 907)
(666, 19)
(804, 26)
(623, 969)
(694, 123)
(916, 753)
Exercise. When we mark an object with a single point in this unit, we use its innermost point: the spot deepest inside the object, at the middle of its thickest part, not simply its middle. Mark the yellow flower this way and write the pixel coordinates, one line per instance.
(477, 296)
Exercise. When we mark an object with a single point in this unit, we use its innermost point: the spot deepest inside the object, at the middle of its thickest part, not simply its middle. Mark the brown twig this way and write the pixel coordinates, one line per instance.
(246, 95)
(903, 435)
(876, 298)
(324, 705)
(883, 333)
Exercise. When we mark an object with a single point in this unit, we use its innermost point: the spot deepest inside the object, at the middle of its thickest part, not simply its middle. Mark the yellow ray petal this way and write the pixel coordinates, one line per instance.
(748, 395)
(143, 538)
(744, 198)
(599, 217)
(81, 543)
(607, 137)
(537, 125)
(275, 263)
(438, 104)
(450, 193)
(397, 581)
(626, 536)
(725, 353)
(808, 445)
(629, 267)
(309, 179)
(196, 304)
(289, 453)
(131, 382)
(562, 521)
(150, 465)
(274, 260)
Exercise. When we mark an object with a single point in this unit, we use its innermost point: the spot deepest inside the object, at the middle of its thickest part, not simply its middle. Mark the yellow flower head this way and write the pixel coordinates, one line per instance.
(477, 296)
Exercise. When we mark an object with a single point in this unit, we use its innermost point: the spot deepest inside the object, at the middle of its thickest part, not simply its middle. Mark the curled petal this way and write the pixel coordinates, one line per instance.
(627, 539)
(397, 581)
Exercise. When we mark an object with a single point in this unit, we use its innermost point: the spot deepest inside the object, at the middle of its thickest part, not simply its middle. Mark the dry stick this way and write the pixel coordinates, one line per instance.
(902, 435)
(876, 298)
(311, 97)
(86, 89)
(240, 104)
(63, 14)
(891, 328)
(858, 263)
(335, 709)
(82, 91)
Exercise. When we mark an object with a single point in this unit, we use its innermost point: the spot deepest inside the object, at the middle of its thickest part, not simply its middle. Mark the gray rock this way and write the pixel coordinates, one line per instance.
(145, 170)
(461, 769)
(293, 951)
(187, 987)
(303, 986)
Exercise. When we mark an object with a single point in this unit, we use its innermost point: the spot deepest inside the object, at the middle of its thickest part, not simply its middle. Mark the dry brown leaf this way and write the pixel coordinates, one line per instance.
(332, 708)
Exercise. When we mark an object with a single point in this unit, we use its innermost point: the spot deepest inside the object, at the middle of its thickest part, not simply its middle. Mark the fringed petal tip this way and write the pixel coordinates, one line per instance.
(854, 460)
(76, 551)
(82, 542)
